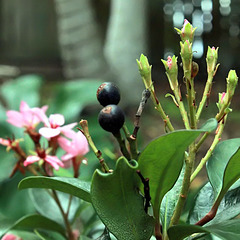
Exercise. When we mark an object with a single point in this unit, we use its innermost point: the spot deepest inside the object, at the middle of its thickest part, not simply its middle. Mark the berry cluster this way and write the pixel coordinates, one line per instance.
(111, 118)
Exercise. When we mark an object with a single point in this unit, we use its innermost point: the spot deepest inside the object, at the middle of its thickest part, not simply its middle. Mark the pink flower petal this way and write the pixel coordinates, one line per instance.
(15, 118)
(24, 107)
(4, 142)
(9, 236)
(40, 113)
(56, 120)
(67, 130)
(64, 143)
(49, 132)
(54, 161)
(30, 160)
(67, 156)
(81, 144)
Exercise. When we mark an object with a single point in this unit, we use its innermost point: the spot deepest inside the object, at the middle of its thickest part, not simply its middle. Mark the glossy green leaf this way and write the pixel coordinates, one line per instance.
(32, 222)
(117, 202)
(162, 160)
(72, 186)
(71, 97)
(227, 230)
(46, 205)
(228, 208)
(219, 160)
(24, 88)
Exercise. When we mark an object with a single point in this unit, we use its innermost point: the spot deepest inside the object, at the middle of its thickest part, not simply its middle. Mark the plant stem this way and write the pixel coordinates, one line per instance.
(149, 85)
(206, 95)
(216, 140)
(67, 224)
(191, 101)
(122, 145)
(84, 125)
(189, 162)
(132, 142)
(181, 108)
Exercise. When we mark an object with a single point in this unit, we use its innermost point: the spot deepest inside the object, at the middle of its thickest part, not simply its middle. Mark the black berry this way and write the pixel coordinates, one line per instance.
(111, 118)
(108, 93)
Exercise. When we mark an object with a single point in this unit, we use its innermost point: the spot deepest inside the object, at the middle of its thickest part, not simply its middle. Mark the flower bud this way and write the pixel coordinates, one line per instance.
(232, 81)
(187, 31)
(171, 71)
(186, 55)
(212, 57)
(144, 67)
(222, 100)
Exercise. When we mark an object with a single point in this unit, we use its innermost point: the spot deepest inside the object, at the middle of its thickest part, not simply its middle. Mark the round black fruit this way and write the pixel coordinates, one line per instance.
(111, 118)
(108, 93)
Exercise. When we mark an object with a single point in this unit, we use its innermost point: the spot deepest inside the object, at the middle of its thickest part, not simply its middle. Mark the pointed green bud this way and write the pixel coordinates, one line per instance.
(171, 71)
(187, 31)
(212, 57)
(232, 81)
(144, 67)
(145, 71)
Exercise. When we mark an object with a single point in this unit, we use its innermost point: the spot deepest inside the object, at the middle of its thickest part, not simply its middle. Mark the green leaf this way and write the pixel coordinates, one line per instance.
(71, 97)
(48, 235)
(46, 205)
(32, 222)
(228, 208)
(24, 235)
(219, 160)
(231, 175)
(169, 202)
(72, 186)
(162, 160)
(119, 205)
(227, 230)
(25, 88)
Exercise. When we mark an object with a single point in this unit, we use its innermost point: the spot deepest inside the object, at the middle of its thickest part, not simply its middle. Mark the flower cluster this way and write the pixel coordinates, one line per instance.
(57, 134)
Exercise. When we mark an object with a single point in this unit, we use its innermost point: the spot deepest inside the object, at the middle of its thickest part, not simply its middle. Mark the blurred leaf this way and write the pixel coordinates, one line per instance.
(32, 222)
(227, 230)
(24, 235)
(10, 199)
(71, 97)
(72, 186)
(7, 163)
(219, 160)
(228, 209)
(25, 88)
(46, 205)
(48, 235)
(113, 197)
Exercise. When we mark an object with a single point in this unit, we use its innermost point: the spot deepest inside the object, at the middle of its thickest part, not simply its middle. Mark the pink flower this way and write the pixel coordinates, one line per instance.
(77, 147)
(41, 155)
(27, 117)
(53, 126)
(9, 236)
